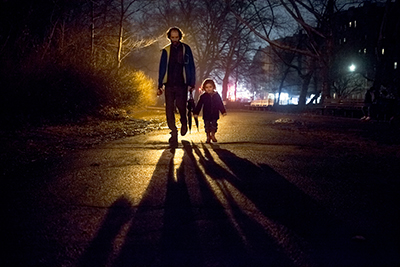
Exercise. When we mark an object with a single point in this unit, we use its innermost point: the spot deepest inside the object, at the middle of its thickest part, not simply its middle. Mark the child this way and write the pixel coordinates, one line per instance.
(211, 103)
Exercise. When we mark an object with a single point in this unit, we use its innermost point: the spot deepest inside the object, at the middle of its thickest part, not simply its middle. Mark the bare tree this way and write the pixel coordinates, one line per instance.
(348, 85)
(315, 18)
(201, 21)
(221, 45)
(127, 40)
(236, 48)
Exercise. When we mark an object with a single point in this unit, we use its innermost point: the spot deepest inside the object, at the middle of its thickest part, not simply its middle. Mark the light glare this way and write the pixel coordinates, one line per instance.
(352, 67)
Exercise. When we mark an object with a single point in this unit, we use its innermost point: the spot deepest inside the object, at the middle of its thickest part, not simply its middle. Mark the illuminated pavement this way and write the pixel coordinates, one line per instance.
(272, 192)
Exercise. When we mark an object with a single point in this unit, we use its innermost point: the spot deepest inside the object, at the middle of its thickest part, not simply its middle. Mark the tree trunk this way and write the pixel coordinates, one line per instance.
(304, 89)
(281, 85)
(327, 50)
(326, 84)
(225, 85)
(120, 35)
(119, 50)
(92, 35)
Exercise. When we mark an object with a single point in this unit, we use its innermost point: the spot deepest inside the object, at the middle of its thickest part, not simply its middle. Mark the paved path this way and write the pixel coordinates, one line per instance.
(277, 190)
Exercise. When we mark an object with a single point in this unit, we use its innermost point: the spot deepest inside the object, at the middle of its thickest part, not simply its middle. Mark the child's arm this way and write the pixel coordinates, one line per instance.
(221, 106)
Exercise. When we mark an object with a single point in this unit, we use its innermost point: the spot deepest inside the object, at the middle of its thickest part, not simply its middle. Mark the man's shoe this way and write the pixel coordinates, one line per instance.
(184, 129)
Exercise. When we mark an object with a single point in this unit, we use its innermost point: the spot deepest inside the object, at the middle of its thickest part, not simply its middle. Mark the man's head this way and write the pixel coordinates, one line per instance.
(174, 34)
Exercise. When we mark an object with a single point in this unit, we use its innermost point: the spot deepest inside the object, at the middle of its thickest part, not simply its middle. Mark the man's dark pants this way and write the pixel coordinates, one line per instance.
(175, 95)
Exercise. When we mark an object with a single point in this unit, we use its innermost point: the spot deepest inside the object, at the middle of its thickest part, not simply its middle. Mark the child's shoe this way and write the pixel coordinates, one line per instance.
(208, 138)
(213, 137)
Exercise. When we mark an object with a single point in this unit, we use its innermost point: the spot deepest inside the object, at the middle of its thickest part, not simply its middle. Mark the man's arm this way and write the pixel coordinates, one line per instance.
(162, 68)
(159, 91)
(191, 69)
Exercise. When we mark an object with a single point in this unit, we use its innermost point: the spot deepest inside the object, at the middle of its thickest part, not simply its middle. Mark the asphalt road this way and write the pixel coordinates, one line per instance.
(276, 190)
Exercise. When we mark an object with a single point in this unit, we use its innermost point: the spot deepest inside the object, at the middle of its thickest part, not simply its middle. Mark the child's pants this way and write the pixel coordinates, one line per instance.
(210, 126)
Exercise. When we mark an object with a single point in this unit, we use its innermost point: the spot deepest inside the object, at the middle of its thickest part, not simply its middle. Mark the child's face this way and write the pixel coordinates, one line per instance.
(209, 88)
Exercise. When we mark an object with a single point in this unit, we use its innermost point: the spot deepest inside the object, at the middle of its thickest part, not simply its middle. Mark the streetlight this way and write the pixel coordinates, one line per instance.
(352, 67)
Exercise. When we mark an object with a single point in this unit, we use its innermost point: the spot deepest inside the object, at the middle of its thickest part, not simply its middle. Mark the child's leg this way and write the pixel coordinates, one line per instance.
(213, 136)
(208, 140)
(213, 130)
(207, 128)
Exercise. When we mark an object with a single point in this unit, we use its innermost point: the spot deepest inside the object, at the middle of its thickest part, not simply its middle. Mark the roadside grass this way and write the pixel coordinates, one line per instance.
(33, 144)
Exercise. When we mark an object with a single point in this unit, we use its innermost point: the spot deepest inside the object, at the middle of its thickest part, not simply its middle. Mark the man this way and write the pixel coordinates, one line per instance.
(177, 72)
(366, 109)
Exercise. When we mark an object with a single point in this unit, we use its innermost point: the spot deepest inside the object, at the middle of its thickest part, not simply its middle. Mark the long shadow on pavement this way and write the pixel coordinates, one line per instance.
(243, 242)
(327, 240)
(101, 246)
(195, 217)
(170, 231)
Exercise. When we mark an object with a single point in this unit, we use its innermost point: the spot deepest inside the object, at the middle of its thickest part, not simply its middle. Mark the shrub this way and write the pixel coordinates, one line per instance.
(54, 93)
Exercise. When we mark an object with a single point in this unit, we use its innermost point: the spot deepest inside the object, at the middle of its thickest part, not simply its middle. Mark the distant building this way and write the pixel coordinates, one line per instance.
(368, 37)
(365, 49)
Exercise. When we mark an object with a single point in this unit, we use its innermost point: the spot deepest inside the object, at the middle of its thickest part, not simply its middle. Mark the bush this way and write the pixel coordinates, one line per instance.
(128, 88)
(52, 93)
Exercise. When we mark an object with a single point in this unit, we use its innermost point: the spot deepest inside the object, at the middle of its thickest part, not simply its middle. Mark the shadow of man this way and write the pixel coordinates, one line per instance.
(100, 248)
(166, 229)
(162, 231)
(141, 244)
(193, 216)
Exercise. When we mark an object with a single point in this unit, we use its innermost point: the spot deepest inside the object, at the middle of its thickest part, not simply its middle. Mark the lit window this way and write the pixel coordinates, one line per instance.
(365, 50)
(355, 24)
(395, 65)
(383, 51)
(344, 40)
(350, 24)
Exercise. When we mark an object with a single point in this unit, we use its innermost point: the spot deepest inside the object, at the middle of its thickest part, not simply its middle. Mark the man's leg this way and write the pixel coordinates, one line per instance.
(170, 114)
(181, 104)
(365, 112)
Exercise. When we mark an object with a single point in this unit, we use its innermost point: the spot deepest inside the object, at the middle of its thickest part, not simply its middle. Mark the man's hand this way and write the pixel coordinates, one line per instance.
(191, 89)
(224, 114)
(159, 91)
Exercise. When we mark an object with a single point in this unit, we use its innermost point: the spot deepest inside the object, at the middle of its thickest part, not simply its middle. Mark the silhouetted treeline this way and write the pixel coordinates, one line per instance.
(58, 62)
